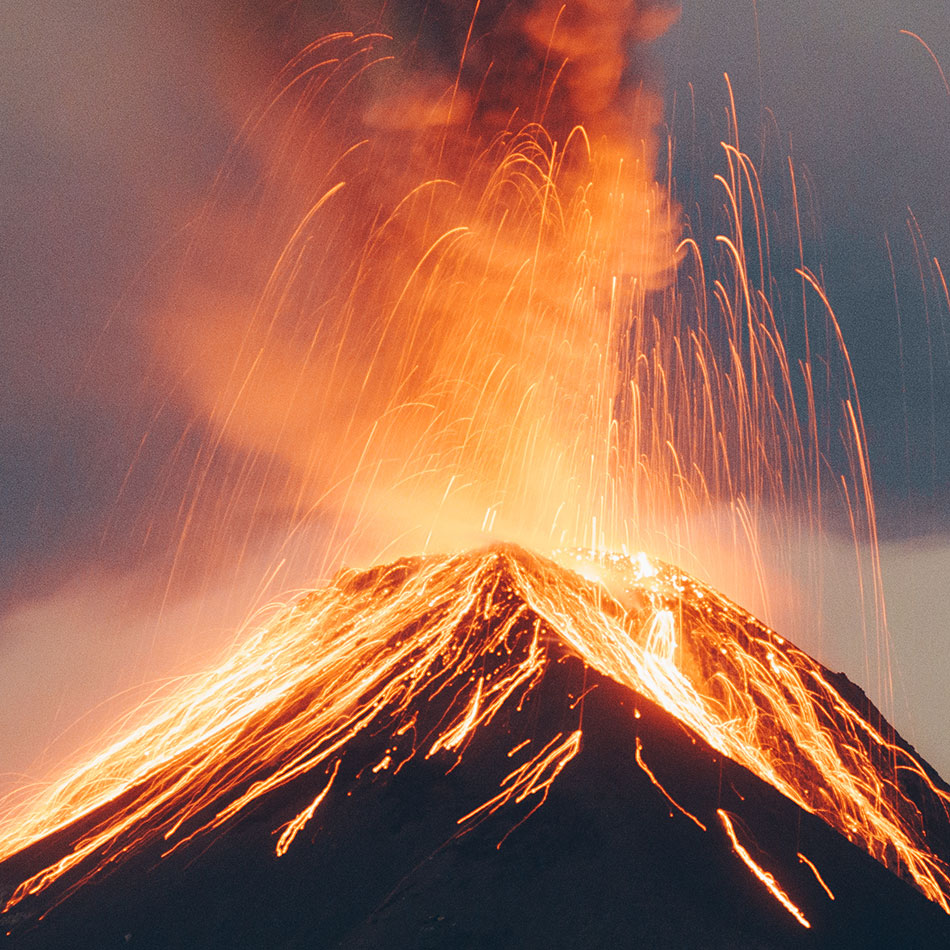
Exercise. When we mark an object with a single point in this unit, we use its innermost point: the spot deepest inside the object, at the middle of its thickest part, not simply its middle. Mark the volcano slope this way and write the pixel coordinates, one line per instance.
(492, 750)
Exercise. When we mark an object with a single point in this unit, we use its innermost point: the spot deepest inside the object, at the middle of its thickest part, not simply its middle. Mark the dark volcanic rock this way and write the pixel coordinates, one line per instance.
(606, 861)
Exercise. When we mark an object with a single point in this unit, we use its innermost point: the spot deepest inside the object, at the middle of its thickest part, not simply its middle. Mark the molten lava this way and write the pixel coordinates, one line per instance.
(426, 653)
(459, 309)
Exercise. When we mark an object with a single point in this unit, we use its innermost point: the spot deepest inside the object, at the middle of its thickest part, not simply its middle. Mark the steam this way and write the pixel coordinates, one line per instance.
(412, 324)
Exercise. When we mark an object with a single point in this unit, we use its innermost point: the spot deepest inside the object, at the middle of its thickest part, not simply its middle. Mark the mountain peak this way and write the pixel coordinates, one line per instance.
(484, 662)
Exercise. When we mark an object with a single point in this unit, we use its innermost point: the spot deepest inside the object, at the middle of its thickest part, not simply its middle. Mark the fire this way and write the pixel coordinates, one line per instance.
(428, 651)
(764, 876)
(471, 310)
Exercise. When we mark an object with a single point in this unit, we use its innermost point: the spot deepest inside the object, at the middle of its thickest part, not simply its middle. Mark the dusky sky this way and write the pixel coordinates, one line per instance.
(116, 117)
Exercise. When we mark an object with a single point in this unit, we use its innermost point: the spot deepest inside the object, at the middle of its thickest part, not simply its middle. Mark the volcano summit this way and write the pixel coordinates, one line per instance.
(495, 749)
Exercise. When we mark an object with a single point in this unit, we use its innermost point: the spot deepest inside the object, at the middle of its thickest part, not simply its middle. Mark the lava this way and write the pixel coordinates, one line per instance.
(427, 652)
(472, 304)
(764, 876)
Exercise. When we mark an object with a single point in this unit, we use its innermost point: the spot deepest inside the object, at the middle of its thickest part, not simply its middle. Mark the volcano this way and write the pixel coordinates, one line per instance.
(495, 749)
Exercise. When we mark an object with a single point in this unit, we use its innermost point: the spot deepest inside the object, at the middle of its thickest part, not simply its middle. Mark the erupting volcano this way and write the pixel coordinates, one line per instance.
(404, 717)
(460, 313)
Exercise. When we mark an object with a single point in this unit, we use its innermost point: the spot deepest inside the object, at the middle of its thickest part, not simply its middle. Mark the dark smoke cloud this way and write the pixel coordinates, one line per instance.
(563, 64)
(114, 566)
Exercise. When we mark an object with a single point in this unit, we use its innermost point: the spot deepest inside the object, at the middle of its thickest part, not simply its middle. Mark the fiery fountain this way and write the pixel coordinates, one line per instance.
(475, 314)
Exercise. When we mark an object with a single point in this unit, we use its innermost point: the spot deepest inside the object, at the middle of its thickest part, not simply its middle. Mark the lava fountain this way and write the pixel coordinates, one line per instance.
(457, 306)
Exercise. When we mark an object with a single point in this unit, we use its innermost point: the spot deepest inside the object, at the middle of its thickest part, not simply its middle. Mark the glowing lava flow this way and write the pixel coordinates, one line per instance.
(583, 394)
(764, 876)
(427, 652)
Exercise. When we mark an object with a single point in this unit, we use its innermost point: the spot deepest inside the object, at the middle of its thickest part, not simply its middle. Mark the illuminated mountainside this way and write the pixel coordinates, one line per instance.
(344, 780)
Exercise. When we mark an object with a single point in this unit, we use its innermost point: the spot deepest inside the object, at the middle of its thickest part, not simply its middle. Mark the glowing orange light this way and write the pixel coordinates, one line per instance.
(292, 828)
(665, 793)
(764, 876)
(372, 650)
(463, 329)
(803, 860)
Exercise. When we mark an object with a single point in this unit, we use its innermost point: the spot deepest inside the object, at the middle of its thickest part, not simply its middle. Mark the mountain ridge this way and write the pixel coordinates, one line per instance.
(454, 704)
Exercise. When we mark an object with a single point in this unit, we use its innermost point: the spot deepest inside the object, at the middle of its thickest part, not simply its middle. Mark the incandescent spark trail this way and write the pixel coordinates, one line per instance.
(469, 303)
(428, 651)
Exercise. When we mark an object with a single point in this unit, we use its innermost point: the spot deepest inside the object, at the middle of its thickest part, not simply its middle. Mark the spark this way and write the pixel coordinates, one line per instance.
(664, 792)
(463, 638)
(764, 876)
(534, 777)
(292, 828)
(803, 860)
(933, 56)
(524, 339)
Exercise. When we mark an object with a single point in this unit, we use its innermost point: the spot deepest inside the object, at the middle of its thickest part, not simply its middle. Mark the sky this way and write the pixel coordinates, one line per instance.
(116, 117)
(864, 112)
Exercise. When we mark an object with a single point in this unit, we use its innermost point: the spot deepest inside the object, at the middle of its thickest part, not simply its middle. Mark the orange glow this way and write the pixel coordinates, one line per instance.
(803, 860)
(459, 319)
(484, 328)
(535, 776)
(930, 52)
(663, 791)
(764, 876)
(292, 828)
(369, 653)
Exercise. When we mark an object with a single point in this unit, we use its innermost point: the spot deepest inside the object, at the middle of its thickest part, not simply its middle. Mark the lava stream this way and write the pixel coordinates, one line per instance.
(375, 652)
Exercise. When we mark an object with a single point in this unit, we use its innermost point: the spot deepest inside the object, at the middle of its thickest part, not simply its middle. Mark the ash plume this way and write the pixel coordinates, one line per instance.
(453, 230)
(557, 64)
